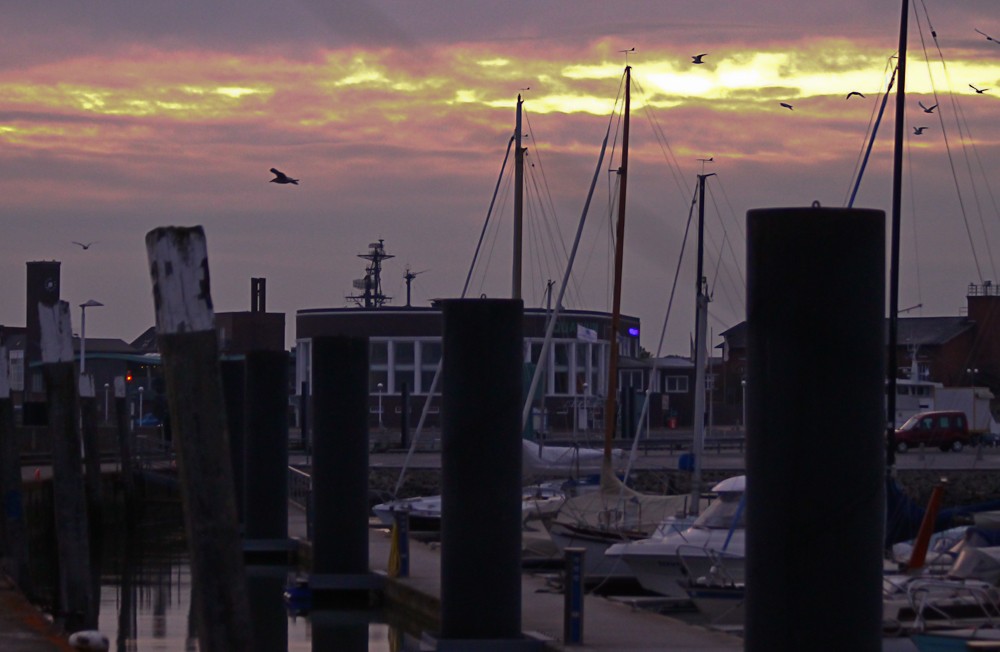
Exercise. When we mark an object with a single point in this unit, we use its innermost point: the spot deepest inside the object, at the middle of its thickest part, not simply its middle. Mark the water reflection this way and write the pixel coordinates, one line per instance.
(145, 598)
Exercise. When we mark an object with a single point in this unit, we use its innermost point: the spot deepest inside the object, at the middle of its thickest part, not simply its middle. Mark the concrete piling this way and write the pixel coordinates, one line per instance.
(188, 343)
(15, 534)
(266, 457)
(481, 475)
(92, 454)
(815, 315)
(340, 469)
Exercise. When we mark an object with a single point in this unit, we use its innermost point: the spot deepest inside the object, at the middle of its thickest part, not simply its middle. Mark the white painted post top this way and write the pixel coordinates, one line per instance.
(119, 386)
(86, 385)
(178, 267)
(4, 374)
(57, 332)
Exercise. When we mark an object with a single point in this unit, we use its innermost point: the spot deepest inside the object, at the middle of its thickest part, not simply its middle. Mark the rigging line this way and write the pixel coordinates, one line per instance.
(729, 241)
(947, 142)
(966, 140)
(869, 139)
(724, 278)
(545, 184)
(489, 212)
(660, 135)
(913, 223)
(677, 274)
(493, 235)
(554, 240)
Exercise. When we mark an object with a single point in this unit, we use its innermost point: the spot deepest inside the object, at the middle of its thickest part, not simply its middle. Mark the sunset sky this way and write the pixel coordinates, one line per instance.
(116, 118)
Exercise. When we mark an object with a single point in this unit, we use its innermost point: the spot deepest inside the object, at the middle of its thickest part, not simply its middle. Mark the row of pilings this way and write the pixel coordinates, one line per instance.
(815, 301)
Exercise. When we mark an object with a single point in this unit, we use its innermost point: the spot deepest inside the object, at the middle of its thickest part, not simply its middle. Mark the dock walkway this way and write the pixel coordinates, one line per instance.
(609, 626)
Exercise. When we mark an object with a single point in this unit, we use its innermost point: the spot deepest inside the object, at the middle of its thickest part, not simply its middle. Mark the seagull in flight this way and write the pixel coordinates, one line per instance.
(917, 131)
(697, 57)
(978, 90)
(281, 177)
(853, 93)
(786, 105)
(988, 37)
(84, 246)
(927, 109)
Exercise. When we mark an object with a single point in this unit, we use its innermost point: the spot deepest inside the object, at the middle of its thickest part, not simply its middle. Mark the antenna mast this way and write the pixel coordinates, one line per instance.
(371, 285)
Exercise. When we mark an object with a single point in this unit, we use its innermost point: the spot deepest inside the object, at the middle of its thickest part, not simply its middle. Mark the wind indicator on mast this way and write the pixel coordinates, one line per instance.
(408, 277)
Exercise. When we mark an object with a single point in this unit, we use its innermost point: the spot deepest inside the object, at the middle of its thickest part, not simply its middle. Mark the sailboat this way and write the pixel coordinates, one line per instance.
(617, 513)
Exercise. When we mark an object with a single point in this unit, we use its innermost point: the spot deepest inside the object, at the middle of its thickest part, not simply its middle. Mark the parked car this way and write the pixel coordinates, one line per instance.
(946, 429)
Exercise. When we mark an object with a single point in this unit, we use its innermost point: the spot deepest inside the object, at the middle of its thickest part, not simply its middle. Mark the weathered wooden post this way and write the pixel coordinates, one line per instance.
(15, 536)
(815, 309)
(72, 532)
(481, 502)
(91, 454)
(234, 380)
(185, 326)
(125, 449)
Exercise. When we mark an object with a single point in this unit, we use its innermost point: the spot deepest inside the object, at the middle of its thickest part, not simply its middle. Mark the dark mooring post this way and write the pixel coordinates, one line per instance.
(234, 392)
(15, 535)
(340, 469)
(815, 309)
(266, 455)
(481, 501)
(126, 450)
(72, 532)
(91, 454)
(185, 325)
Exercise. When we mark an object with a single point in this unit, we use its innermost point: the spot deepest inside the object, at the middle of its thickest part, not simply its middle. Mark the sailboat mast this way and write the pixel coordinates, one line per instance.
(518, 203)
(700, 330)
(616, 304)
(897, 193)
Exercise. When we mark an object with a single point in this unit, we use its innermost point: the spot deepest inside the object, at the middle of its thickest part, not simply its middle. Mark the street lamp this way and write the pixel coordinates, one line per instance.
(379, 404)
(90, 303)
(140, 404)
(106, 386)
(743, 383)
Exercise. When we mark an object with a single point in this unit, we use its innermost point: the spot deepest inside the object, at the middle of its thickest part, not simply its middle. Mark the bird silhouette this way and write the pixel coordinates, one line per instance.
(853, 93)
(786, 105)
(697, 57)
(917, 131)
(281, 177)
(978, 90)
(927, 109)
(988, 37)
(84, 246)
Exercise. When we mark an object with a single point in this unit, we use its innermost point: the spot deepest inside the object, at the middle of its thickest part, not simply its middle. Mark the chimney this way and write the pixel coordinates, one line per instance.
(258, 295)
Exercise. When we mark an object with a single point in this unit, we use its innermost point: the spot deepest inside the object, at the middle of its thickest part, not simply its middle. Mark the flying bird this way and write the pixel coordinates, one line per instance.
(978, 90)
(281, 177)
(988, 37)
(927, 109)
(697, 57)
(918, 130)
(84, 246)
(787, 106)
(853, 93)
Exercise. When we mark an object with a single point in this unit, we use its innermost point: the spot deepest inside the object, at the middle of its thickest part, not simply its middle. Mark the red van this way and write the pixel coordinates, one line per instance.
(946, 429)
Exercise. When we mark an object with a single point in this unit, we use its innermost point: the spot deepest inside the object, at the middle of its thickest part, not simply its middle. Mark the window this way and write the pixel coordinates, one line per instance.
(676, 385)
(403, 356)
(378, 366)
(16, 370)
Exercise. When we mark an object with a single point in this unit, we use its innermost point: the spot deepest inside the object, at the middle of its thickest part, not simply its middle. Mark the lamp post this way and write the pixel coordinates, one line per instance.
(972, 380)
(743, 383)
(90, 303)
(586, 407)
(379, 405)
(140, 404)
(106, 386)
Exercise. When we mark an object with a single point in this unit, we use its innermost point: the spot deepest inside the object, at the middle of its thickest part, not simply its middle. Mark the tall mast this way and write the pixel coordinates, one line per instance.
(518, 203)
(897, 192)
(609, 410)
(700, 330)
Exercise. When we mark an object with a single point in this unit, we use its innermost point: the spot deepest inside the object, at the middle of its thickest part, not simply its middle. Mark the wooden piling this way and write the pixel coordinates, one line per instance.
(188, 343)
(72, 531)
(15, 536)
(91, 452)
(125, 449)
